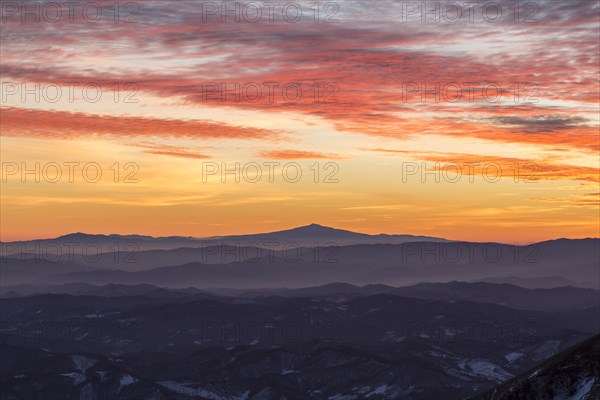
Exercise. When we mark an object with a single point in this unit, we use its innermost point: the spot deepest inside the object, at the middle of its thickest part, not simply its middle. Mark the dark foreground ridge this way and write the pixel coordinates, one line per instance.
(571, 375)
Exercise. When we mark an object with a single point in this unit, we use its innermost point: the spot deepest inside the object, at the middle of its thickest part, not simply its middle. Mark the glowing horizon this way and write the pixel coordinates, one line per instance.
(390, 107)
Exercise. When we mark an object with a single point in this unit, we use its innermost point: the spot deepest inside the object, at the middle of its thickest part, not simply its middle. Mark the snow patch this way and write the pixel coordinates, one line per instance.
(489, 370)
(343, 397)
(378, 390)
(513, 356)
(186, 389)
(83, 363)
(76, 377)
(546, 350)
(127, 379)
(288, 371)
(582, 391)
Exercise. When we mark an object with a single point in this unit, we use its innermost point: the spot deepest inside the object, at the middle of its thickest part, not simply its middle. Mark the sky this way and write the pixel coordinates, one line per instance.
(449, 119)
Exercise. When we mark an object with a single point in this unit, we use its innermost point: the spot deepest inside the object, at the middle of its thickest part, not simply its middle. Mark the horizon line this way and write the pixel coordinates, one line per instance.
(325, 227)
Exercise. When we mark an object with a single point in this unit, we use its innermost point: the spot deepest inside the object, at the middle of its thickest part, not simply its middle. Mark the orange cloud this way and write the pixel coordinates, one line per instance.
(515, 168)
(582, 200)
(298, 154)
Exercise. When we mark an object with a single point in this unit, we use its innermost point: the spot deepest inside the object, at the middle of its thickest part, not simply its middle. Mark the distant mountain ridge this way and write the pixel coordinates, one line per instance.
(304, 235)
(320, 232)
(561, 299)
(314, 235)
(311, 255)
(574, 262)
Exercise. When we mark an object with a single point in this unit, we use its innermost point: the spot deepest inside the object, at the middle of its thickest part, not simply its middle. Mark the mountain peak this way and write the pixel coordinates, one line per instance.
(319, 231)
(77, 235)
(314, 226)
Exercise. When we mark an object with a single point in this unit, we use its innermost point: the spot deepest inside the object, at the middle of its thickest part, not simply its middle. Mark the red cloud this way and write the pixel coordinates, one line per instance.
(18, 122)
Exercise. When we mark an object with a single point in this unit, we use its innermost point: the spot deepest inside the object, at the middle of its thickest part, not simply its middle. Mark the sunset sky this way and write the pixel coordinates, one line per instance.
(137, 94)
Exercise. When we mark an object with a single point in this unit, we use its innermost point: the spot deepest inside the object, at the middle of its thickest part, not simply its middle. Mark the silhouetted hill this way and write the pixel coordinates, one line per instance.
(542, 282)
(309, 235)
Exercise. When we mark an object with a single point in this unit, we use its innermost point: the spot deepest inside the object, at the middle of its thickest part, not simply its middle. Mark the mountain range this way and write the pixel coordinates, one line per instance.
(307, 256)
(309, 235)
(307, 313)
